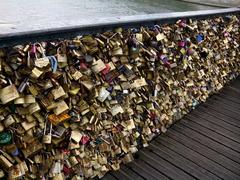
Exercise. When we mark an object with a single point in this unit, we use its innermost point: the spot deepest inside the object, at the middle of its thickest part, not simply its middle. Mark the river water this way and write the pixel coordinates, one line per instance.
(25, 15)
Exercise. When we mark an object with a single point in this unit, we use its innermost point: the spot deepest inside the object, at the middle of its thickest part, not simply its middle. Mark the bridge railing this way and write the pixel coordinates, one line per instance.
(10, 39)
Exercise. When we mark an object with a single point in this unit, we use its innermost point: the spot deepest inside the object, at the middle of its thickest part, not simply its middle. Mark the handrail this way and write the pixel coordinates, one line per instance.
(10, 39)
(218, 5)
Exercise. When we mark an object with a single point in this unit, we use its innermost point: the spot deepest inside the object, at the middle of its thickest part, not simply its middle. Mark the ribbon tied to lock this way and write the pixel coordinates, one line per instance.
(54, 63)
(199, 38)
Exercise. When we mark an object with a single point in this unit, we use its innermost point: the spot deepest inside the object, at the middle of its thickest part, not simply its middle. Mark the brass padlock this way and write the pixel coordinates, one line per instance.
(73, 160)
(62, 58)
(1, 127)
(58, 92)
(59, 177)
(8, 94)
(98, 66)
(60, 107)
(5, 162)
(9, 120)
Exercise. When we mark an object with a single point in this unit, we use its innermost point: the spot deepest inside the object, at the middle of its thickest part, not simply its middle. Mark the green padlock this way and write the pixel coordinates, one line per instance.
(5, 137)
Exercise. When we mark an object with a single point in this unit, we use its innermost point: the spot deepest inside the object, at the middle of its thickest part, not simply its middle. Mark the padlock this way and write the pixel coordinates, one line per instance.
(60, 107)
(28, 125)
(43, 61)
(98, 66)
(62, 58)
(58, 92)
(47, 133)
(1, 127)
(23, 85)
(56, 119)
(8, 94)
(103, 94)
(56, 169)
(2, 174)
(34, 107)
(59, 176)
(74, 73)
(36, 73)
(9, 120)
(73, 161)
(76, 136)
(5, 162)
(128, 158)
(101, 90)
(85, 139)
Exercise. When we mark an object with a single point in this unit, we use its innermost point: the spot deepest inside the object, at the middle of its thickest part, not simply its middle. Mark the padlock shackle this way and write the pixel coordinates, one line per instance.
(42, 49)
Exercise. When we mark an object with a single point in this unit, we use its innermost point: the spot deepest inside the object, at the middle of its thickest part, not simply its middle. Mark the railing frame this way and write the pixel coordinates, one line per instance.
(11, 39)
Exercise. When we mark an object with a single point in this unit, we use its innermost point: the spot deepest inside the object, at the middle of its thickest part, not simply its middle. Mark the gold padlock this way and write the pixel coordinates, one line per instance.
(58, 92)
(73, 161)
(5, 162)
(9, 120)
(1, 127)
(58, 177)
(8, 94)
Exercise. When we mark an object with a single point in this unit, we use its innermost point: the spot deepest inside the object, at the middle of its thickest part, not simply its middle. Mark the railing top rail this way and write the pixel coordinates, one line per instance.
(18, 37)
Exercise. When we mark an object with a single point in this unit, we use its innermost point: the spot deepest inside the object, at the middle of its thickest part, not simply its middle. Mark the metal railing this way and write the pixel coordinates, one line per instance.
(10, 39)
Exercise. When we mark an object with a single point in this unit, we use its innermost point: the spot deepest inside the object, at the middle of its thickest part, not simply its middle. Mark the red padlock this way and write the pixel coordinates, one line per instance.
(67, 170)
(153, 115)
(83, 66)
(106, 70)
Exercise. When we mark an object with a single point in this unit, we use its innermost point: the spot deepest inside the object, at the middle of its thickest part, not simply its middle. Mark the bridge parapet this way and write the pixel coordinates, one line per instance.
(79, 101)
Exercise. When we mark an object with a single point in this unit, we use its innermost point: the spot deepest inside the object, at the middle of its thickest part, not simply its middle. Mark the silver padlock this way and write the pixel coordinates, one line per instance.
(47, 136)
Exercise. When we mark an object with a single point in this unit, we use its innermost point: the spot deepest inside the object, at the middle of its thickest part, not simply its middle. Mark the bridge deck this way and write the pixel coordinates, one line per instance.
(205, 144)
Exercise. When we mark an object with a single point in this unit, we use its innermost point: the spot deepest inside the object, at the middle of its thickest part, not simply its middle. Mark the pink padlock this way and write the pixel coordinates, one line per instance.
(226, 34)
(182, 23)
(85, 139)
(181, 43)
(33, 49)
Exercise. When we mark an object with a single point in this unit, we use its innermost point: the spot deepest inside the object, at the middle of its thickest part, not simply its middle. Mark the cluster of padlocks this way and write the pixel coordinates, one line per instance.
(77, 108)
